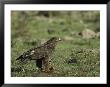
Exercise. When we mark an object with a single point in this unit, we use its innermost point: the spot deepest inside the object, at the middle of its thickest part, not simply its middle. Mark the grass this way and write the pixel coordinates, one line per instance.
(31, 31)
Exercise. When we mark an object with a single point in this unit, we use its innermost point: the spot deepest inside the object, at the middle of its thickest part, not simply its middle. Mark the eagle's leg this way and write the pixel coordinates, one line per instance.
(45, 65)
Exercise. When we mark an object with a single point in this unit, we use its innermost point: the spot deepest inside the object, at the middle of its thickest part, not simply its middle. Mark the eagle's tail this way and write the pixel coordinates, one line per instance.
(21, 58)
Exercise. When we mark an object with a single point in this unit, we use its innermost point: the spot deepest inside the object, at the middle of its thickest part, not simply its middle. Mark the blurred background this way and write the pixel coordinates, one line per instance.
(77, 55)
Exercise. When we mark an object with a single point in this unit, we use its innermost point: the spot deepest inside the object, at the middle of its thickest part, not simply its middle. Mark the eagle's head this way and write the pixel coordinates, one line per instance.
(55, 39)
(52, 42)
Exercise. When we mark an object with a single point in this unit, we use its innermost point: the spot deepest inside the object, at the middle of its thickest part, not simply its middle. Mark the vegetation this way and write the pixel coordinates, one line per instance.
(74, 56)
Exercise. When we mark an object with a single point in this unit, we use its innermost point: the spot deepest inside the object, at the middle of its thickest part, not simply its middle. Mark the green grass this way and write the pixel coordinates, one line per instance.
(32, 31)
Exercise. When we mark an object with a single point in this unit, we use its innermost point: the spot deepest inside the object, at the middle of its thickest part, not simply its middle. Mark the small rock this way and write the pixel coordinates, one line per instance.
(87, 34)
(72, 61)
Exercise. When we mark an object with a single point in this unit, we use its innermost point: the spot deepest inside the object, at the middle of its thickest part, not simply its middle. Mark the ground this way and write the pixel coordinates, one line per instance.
(74, 56)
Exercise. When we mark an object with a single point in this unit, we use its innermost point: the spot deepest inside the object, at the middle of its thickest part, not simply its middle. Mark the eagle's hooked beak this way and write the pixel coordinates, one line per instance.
(59, 39)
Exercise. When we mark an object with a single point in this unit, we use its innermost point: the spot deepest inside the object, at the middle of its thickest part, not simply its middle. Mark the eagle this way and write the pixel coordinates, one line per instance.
(41, 54)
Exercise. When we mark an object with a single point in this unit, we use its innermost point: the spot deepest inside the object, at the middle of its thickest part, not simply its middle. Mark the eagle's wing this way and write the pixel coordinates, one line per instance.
(26, 55)
(40, 52)
(34, 54)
